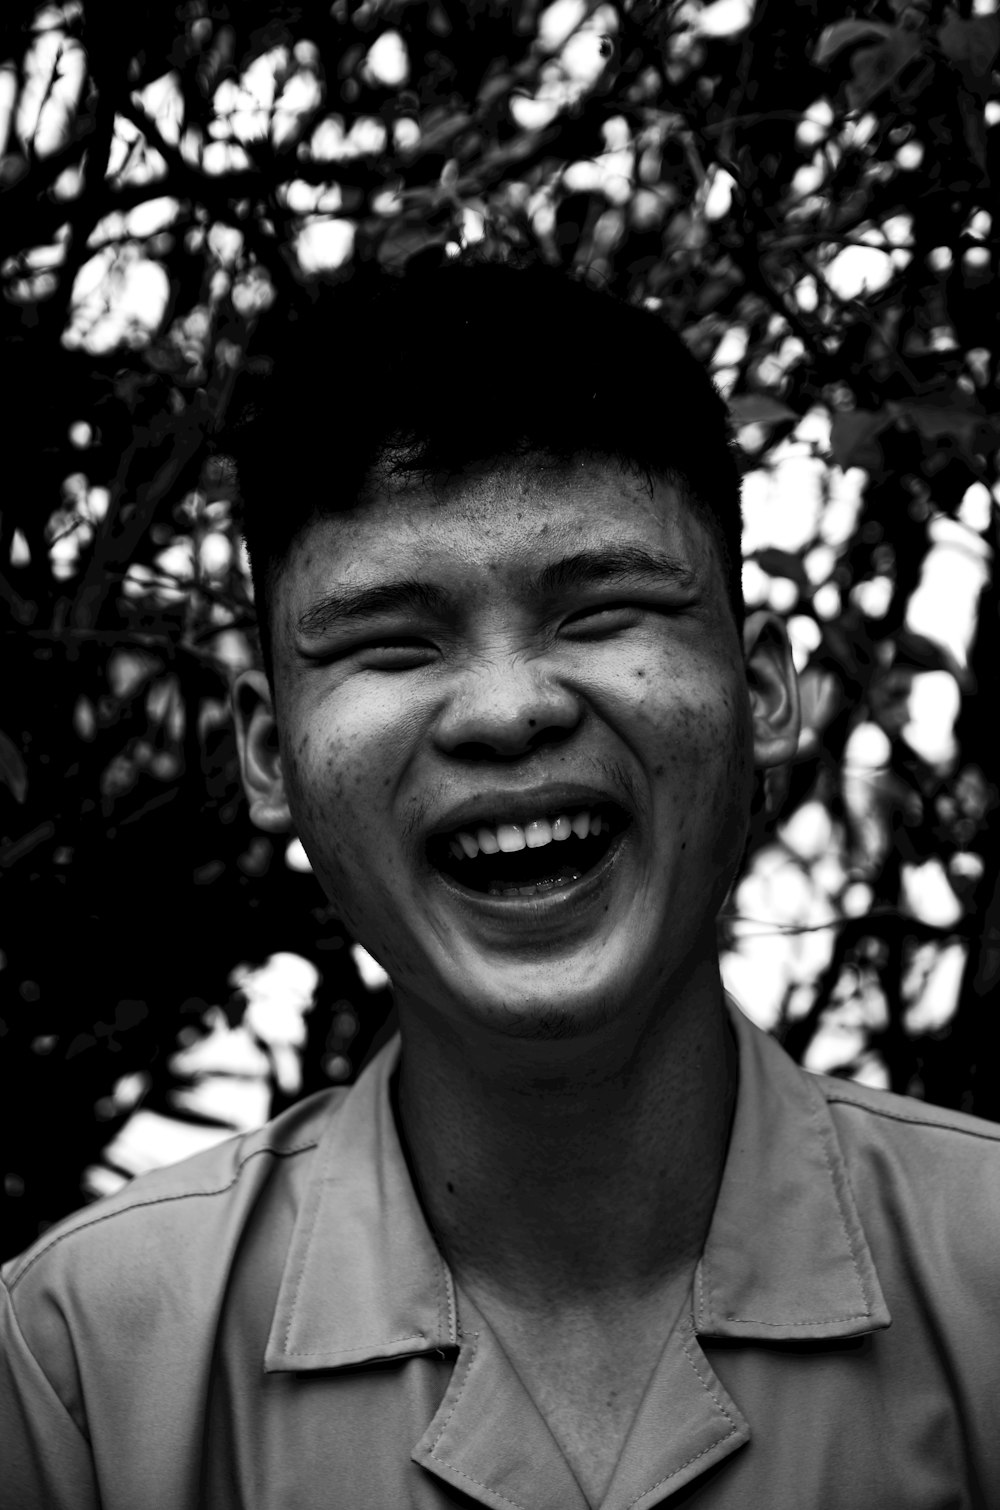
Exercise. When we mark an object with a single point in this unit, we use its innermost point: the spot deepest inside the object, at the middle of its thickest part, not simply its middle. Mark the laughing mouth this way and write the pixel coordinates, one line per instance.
(529, 859)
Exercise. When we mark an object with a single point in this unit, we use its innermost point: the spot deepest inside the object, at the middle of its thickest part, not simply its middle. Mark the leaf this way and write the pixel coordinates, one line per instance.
(853, 438)
(406, 238)
(919, 653)
(13, 771)
(874, 68)
(842, 34)
(914, 10)
(778, 563)
(973, 431)
(974, 42)
(974, 127)
(759, 409)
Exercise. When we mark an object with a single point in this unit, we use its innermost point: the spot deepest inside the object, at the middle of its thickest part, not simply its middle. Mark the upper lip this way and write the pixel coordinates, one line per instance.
(520, 805)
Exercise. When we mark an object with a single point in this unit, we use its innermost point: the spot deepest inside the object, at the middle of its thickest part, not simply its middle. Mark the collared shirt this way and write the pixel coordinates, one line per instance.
(270, 1326)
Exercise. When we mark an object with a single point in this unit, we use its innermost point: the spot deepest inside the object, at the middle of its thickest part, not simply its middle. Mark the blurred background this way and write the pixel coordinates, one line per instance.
(804, 191)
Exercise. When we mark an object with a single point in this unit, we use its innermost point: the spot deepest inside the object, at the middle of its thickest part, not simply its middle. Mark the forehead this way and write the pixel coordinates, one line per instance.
(501, 519)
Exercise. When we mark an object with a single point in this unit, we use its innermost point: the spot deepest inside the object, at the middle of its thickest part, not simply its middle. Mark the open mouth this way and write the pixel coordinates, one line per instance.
(529, 859)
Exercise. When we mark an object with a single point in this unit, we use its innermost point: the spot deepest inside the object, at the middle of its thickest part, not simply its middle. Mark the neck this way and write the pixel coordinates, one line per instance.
(580, 1169)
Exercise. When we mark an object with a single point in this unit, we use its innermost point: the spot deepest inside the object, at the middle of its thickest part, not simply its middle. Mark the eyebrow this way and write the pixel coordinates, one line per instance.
(619, 563)
(348, 605)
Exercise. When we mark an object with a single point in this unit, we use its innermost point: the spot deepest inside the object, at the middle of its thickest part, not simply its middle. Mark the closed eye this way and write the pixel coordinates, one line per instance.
(405, 653)
(605, 618)
(387, 652)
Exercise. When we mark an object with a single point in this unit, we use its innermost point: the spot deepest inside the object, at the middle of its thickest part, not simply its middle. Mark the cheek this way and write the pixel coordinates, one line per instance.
(329, 823)
(692, 714)
(342, 769)
(691, 729)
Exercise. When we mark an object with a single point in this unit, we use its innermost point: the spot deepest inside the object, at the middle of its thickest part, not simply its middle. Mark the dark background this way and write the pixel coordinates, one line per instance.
(178, 180)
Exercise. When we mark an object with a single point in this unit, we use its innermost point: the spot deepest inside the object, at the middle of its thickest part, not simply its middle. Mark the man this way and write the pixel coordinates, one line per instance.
(584, 1237)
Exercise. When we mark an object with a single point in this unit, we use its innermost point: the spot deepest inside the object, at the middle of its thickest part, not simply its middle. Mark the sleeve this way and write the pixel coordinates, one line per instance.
(45, 1461)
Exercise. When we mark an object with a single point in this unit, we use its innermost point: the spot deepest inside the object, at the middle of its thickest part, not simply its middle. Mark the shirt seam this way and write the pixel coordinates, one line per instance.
(825, 1132)
(473, 1349)
(514, 1504)
(812, 1321)
(360, 1348)
(15, 1322)
(446, 1303)
(289, 1351)
(160, 1200)
(836, 1098)
(733, 1431)
(863, 1315)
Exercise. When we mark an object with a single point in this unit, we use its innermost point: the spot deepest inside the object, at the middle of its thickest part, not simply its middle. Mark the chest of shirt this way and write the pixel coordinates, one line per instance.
(793, 1429)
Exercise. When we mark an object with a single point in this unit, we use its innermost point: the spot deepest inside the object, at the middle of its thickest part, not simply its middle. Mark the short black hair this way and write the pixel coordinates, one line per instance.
(442, 369)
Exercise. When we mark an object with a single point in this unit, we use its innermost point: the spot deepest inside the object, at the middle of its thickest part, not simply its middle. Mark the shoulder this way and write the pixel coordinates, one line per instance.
(175, 1216)
(132, 1288)
(926, 1180)
(880, 1117)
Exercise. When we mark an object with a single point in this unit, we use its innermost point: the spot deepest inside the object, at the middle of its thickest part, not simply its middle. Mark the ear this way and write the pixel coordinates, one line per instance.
(260, 757)
(774, 689)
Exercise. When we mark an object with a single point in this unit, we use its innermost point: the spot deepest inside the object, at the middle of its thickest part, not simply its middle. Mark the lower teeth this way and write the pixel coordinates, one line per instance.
(498, 889)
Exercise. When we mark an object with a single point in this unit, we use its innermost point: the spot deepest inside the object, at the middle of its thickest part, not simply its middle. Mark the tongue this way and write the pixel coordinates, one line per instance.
(515, 889)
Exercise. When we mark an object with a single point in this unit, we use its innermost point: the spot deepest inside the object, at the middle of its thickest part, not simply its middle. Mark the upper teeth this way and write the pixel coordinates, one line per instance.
(509, 837)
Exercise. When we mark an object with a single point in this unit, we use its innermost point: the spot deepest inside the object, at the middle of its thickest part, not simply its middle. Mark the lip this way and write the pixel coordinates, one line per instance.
(521, 805)
(547, 907)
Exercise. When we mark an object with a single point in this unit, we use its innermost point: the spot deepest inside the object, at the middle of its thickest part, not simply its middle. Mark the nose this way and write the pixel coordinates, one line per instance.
(504, 709)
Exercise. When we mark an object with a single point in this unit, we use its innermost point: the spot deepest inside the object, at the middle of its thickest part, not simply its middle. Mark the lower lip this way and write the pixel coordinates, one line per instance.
(544, 905)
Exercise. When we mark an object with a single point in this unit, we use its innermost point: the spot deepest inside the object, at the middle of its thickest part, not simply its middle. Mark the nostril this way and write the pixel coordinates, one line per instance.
(475, 751)
(512, 746)
(551, 734)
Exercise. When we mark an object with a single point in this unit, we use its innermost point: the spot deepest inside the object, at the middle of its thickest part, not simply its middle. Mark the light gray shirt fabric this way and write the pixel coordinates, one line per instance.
(270, 1326)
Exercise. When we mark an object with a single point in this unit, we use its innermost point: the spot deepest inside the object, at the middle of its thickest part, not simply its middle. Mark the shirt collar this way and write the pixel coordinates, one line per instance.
(786, 1256)
(363, 1279)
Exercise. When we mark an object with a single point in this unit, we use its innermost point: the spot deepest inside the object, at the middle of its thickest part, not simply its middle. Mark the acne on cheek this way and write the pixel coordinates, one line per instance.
(335, 878)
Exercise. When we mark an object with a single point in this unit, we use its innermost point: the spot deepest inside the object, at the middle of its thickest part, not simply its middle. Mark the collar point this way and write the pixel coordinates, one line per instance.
(279, 1359)
(822, 1329)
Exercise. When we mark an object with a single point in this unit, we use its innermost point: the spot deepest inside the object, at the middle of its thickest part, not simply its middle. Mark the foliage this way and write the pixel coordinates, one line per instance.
(803, 191)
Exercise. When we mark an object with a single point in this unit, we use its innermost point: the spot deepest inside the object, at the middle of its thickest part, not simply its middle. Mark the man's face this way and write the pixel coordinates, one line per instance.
(515, 739)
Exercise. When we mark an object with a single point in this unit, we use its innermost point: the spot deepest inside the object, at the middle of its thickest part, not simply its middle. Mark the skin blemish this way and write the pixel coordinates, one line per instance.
(450, 1187)
(483, 546)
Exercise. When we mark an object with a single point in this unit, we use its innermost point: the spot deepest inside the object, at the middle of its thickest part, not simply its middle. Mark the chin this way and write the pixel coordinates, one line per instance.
(540, 1010)
(548, 1023)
